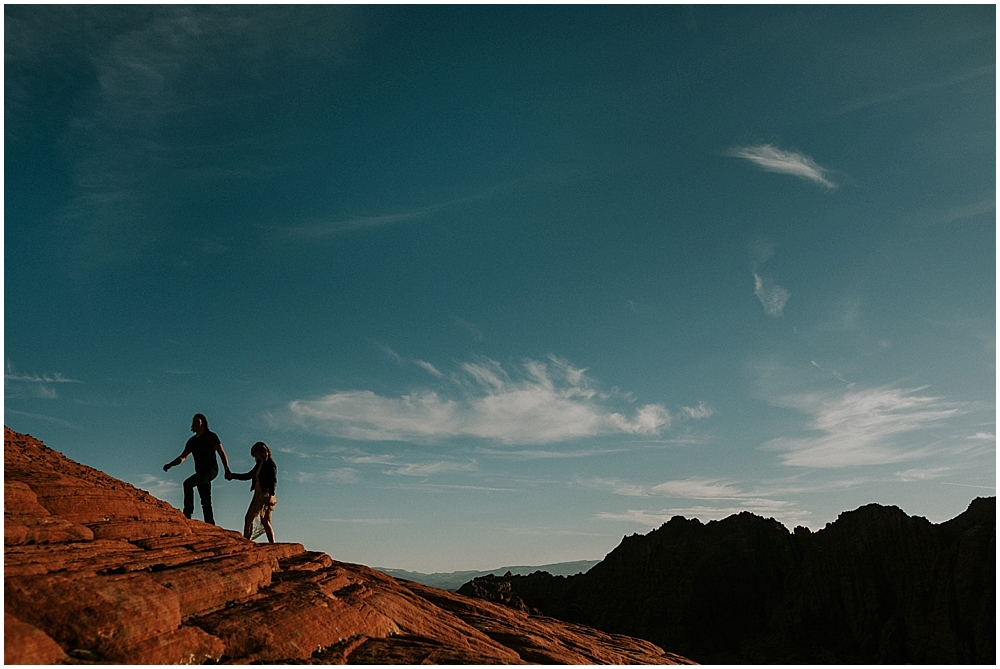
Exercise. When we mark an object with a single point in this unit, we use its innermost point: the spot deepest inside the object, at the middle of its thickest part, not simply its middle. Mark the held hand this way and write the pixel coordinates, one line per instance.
(229, 475)
(166, 467)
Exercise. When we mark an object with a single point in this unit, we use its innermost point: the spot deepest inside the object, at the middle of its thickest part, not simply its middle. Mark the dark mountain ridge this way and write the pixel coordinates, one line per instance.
(875, 586)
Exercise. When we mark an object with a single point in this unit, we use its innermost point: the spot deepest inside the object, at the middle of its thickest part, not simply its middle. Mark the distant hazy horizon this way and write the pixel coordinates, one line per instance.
(504, 284)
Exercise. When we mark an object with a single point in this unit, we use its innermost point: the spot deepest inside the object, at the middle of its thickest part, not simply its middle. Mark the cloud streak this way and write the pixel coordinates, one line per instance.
(772, 296)
(860, 427)
(39, 378)
(700, 411)
(338, 225)
(423, 364)
(431, 369)
(431, 468)
(548, 402)
(540, 454)
(37, 386)
(784, 512)
(159, 488)
(698, 488)
(320, 229)
(772, 159)
(344, 475)
(987, 72)
(693, 488)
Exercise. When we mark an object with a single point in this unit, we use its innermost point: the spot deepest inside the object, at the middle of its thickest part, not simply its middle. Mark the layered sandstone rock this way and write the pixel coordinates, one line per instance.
(876, 586)
(96, 570)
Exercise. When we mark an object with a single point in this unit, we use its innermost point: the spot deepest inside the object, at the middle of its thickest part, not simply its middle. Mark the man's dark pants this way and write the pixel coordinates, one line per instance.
(202, 481)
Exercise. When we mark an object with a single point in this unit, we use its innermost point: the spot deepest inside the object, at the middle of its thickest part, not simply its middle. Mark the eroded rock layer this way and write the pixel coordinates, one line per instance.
(98, 570)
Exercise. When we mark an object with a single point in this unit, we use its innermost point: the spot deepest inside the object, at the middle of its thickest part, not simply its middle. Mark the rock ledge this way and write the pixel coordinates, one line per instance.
(96, 570)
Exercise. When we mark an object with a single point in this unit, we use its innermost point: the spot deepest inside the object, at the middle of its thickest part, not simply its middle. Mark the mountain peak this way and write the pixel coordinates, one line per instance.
(875, 586)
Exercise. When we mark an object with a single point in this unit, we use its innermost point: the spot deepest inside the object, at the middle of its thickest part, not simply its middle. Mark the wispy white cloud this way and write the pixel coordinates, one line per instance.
(38, 386)
(860, 426)
(159, 488)
(449, 487)
(616, 486)
(542, 454)
(924, 474)
(773, 159)
(430, 468)
(39, 378)
(31, 391)
(730, 496)
(47, 419)
(837, 375)
(300, 452)
(370, 459)
(785, 513)
(429, 367)
(987, 72)
(389, 352)
(700, 411)
(345, 475)
(363, 521)
(546, 531)
(969, 485)
(698, 488)
(548, 402)
(978, 444)
(972, 210)
(337, 225)
(423, 364)
(489, 374)
(772, 296)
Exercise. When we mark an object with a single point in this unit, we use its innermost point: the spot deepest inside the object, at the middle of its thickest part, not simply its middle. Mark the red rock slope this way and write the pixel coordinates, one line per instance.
(97, 570)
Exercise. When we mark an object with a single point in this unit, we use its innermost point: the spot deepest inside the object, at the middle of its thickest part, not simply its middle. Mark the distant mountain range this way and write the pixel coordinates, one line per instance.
(456, 579)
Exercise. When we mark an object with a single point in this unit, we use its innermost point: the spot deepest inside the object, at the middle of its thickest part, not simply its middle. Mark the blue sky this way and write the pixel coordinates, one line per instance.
(501, 285)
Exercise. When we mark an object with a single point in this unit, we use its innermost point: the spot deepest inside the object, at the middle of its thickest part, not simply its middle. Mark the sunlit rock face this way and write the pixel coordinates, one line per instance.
(876, 586)
(96, 570)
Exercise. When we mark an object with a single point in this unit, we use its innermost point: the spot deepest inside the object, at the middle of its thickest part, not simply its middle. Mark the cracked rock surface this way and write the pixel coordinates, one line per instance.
(96, 570)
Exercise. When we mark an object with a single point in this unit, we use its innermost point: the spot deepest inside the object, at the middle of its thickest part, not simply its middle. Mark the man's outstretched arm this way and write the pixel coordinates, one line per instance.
(176, 461)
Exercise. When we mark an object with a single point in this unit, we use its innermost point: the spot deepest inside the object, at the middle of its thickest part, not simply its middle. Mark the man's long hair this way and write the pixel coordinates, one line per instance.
(201, 417)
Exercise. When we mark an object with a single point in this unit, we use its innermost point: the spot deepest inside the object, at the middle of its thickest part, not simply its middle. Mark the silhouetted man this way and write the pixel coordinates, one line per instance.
(203, 446)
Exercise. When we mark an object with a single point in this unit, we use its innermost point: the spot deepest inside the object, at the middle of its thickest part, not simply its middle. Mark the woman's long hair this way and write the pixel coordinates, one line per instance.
(260, 448)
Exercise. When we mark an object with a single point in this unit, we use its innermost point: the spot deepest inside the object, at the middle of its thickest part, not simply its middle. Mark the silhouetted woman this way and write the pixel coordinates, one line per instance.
(264, 477)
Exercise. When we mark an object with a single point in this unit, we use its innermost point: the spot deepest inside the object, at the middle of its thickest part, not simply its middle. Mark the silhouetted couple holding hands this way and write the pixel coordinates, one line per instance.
(204, 446)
